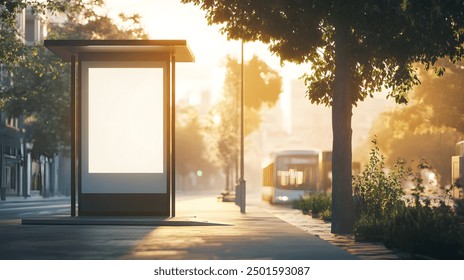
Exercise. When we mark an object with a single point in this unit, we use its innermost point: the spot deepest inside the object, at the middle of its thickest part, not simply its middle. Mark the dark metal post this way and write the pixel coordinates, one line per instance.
(79, 134)
(237, 155)
(168, 131)
(24, 166)
(2, 161)
(73, 136)
(173, 136)
(242, 152)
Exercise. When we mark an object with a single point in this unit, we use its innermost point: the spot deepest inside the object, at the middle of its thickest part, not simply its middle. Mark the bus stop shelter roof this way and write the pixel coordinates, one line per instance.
(65, 49)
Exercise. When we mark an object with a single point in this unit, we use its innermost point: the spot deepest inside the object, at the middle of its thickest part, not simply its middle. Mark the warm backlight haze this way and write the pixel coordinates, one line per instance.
(293, 115)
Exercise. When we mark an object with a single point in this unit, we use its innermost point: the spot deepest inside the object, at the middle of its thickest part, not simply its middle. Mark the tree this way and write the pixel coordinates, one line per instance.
(39, 90)
(441, 100)
(31, 74)
(191, 148)
(11, 47)
(90, 25)
(40, 81)
(429, 127)
(263, 86)
(355, 48)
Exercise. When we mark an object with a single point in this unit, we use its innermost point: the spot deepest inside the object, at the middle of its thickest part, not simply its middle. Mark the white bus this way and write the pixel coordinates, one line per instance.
(288, 175)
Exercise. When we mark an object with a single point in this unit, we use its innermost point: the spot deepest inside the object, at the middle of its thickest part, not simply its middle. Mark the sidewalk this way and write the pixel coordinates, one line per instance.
(321, 229)
(257, 234)
(203, 229)
(34, 198)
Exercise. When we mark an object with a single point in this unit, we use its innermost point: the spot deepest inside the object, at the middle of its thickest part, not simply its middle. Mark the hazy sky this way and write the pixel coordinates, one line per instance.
(170, 19)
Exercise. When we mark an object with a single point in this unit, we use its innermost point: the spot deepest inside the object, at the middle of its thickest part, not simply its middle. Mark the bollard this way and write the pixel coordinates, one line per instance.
(3, 194)
(237, 194)
(242, 196)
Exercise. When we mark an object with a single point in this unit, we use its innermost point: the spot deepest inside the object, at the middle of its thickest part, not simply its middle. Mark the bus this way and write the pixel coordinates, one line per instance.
(288, 175)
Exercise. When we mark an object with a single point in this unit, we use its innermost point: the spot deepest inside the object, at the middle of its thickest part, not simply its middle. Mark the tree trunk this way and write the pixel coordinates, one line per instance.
(342, 201)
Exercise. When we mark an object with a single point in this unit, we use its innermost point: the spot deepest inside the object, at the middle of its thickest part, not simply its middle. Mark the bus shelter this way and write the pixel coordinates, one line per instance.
(122, 135)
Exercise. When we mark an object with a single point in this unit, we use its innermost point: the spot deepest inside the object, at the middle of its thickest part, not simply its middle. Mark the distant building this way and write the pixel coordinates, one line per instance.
(296, 124)
(11, 155)
(311, 125)
(19, 174)
(31, 27)
(457, 170)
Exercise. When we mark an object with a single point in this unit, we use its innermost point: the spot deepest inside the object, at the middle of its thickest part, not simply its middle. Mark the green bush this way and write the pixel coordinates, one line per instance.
(296, 204)
(369, 228)
(320, 203)
(326, 215)
(305, 204)
(416, 227)
(316, 204)
(378, 192)
(432, 231)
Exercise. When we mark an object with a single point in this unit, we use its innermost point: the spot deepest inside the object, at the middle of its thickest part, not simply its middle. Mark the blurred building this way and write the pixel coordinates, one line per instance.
(12, 166)
(31, 27)
(296, 124)
(311, 125)
(457, 170)
(19, 174)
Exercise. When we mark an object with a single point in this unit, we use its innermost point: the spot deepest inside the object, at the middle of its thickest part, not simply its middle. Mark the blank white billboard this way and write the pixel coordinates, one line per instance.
(123, 127)
(126, 120)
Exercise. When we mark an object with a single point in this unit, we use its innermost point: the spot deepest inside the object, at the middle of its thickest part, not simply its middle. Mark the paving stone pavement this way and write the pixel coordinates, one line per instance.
(321, 229)
(258, 234)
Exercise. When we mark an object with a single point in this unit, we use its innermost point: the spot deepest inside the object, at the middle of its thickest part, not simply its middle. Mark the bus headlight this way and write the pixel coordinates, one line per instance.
(283, 198)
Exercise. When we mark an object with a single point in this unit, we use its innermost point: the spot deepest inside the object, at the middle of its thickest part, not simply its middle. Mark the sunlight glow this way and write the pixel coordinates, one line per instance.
(217, 119)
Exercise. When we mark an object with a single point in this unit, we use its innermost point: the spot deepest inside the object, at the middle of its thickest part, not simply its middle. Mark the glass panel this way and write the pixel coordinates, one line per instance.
(297, 172)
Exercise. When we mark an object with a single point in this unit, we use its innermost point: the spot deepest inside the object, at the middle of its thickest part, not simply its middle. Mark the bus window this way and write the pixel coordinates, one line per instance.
(297, 172)
(283, 177)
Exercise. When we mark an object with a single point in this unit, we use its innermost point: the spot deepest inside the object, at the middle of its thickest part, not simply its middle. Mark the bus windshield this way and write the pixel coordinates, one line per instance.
(297, 172)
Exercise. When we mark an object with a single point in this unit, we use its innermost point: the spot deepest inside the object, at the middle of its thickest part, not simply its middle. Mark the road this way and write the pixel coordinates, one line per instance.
(17, 208)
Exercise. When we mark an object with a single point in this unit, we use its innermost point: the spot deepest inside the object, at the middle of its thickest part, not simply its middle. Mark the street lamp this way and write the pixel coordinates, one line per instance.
(242, 182)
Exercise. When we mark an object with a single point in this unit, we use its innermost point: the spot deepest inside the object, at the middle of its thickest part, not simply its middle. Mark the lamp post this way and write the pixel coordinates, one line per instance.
(242, 181)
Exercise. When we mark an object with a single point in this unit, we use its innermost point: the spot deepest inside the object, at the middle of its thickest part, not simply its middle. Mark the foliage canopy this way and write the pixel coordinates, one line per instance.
(355, 48)
(385, 37)
(38, 85)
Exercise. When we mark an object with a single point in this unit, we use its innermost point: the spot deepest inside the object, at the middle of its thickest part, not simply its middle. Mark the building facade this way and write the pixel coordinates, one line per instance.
(20, 175)
(12, 162)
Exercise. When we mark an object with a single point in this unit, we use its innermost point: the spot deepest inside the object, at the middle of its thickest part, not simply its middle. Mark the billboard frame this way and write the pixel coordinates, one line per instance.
(164, 51)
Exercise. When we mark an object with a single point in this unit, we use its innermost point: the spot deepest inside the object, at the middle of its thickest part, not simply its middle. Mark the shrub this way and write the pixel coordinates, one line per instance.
(421, 229)
(316, 204)
(296, 204)
(369, 228)
(377, 192)
(320, 202)
(305, 204)
(326, 215)
(416, 227)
